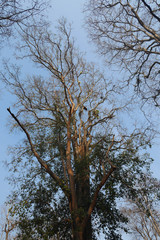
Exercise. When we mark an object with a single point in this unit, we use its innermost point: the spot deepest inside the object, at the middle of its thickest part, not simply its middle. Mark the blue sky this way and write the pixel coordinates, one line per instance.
(72, 10)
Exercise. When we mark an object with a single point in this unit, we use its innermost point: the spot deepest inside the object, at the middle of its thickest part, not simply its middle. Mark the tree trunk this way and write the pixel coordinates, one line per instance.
(83, 202)
(79, 234)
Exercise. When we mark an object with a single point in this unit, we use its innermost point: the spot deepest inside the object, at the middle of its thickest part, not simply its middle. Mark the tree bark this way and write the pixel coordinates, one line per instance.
(83, 201)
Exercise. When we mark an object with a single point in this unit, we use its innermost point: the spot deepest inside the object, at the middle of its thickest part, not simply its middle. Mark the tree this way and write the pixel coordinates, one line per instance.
(17, 12)
(143, 210)
(127, 34)
(68, 115)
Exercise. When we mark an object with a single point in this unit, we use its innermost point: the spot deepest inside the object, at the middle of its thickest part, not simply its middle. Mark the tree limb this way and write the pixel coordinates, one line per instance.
(58, 180)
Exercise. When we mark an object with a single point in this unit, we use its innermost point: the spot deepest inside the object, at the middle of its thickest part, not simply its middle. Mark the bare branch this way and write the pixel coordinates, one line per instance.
(127, 34)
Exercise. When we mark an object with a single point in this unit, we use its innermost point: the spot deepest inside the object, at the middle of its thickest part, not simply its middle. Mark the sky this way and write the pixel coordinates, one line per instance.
(72, 10)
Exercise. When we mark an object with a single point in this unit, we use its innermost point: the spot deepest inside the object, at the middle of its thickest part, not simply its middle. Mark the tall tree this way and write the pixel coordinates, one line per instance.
(127, 33)
(68, 115)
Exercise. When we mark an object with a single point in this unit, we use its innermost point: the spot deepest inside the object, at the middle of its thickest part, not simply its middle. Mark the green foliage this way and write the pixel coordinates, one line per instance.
(43, 209)
(43, 213)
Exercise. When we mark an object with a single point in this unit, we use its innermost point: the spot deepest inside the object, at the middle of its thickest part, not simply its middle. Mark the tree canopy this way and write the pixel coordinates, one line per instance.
(17, 12)
(127, 34)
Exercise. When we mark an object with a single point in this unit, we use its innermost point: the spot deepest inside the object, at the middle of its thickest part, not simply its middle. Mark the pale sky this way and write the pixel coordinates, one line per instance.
(72, 10)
